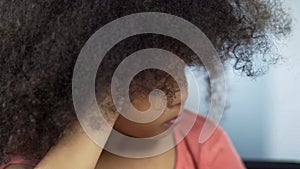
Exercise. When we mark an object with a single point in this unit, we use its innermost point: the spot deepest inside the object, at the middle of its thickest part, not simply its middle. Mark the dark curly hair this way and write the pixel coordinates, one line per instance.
(40, 41)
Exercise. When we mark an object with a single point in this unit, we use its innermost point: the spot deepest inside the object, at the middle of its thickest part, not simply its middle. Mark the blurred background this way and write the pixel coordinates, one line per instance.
(263, 114)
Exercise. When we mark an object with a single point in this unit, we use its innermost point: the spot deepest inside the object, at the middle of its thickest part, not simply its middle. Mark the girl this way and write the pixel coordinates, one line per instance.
(40, 41)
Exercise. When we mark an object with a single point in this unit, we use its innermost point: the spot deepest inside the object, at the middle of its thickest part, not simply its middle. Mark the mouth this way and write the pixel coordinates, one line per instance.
(172, 121)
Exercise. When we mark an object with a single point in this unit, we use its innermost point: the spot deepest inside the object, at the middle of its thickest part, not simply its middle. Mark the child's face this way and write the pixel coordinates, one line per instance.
(164, 121)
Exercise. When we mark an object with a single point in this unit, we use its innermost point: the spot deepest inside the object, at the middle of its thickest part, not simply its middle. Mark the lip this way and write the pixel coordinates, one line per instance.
(172, 121)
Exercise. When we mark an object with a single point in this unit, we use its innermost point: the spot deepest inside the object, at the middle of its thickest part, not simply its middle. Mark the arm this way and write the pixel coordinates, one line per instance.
(74, 150)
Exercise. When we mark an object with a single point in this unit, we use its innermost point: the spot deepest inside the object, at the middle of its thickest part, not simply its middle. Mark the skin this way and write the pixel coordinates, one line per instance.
(19, 167)
(75, 145)
(155, 127)
(41, 40)
(165, 160)
(76, 150)
(27, 37)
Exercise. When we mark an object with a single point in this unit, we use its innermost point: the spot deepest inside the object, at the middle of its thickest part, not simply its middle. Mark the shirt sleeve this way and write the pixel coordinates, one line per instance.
(18, 160)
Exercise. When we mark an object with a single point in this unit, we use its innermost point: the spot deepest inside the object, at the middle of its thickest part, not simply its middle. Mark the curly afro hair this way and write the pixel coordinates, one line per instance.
(40, 41)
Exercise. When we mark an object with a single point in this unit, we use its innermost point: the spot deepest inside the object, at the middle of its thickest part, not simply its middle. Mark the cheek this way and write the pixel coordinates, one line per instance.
(141, 103)
(179, 98)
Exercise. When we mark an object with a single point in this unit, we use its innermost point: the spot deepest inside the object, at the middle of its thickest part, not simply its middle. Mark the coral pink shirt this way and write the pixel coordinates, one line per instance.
(216, 153)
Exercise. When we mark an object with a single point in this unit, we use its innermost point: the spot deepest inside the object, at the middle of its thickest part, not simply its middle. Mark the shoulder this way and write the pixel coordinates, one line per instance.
(201, 129)
(216, 150)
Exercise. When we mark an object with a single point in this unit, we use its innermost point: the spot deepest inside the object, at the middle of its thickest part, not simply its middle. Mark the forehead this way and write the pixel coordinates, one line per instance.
(155, 78)
(151, 79)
